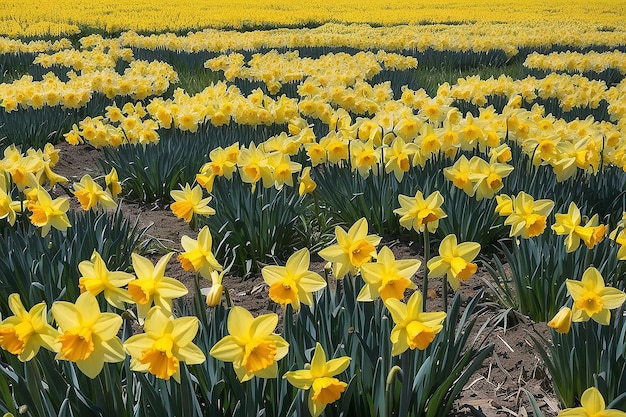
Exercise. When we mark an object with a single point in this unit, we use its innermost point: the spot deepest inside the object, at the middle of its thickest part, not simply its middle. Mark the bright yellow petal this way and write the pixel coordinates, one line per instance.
(227, 350)
(184, 330)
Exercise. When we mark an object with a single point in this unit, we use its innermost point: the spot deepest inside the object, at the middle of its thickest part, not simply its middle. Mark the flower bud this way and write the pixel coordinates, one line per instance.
(562, 320)
(214, 296)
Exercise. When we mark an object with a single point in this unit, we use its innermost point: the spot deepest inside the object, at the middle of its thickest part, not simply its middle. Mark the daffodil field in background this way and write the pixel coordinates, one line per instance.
(490, 137)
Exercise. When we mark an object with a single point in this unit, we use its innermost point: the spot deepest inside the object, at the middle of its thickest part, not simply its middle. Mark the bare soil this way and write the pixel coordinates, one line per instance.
(497, 389)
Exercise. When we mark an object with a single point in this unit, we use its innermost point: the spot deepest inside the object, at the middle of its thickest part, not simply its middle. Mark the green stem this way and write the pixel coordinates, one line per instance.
(408, 374)
(445, 293)
(426, 259)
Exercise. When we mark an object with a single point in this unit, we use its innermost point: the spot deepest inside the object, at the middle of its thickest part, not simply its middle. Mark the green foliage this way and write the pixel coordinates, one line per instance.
(253, 228)
(151, 172)
(531, 275)
(589, 355)
(46, 268)
(349, 197)
(33, 128)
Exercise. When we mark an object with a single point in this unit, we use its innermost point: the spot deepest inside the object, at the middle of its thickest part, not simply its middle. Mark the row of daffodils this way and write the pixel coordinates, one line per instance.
(366, 337)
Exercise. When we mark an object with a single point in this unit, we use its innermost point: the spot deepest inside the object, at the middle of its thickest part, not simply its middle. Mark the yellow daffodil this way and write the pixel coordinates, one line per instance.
(454, 260)
(561, 322)
(214, 294)
(569, 224)
(152, 286)
(502, 153)
(364, 157)
(112, 182)
(459, 174)
(307, 184)
(251, 345)
(253, 166)
(505, 205)
(387, 277)
(398, 157)
(592, 299)
(189, 201)
(90, 194)
(336, 147)
(488, 177)
(418, 213)
(528, 218)
(282, 169)
(353, 249)
(592, 405)
(221, 164)
(620, 239)
(88, 337)
(8, 207)
(293, 283)
(198, 255)
(96, 278)
(320, 379)
(414, 328)
(47, 213)
(165, 344)
(24, 333)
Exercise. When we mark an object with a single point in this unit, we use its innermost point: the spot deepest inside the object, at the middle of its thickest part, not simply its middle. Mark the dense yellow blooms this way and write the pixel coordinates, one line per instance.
(39, 17)
(577, 61)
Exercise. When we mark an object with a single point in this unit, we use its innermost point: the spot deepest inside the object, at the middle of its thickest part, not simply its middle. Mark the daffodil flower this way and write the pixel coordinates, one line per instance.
(112, 182)
(88, 337)
(487, 177)
(353, 249)
(96, 278)
(189, 201)
(152, 286)
(561, 322)
(387, 277)
(414, 328)
(454, 260)
(459, 174)
(198, 255)
(221, 164)
(24, 333)
(90, 194)
(165, 344)
(251, 345)
(8, 207)
(592, 299)
(568, 224)
(418, 213)
(307, 185)
(320, 380)
(47, 213)
(504, 205)
(529, 216)
(214, 294)
(398, 157)
(592, 405)
(293, 283)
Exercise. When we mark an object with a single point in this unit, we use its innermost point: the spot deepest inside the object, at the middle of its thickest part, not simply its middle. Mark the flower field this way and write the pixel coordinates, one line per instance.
(395, 188)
